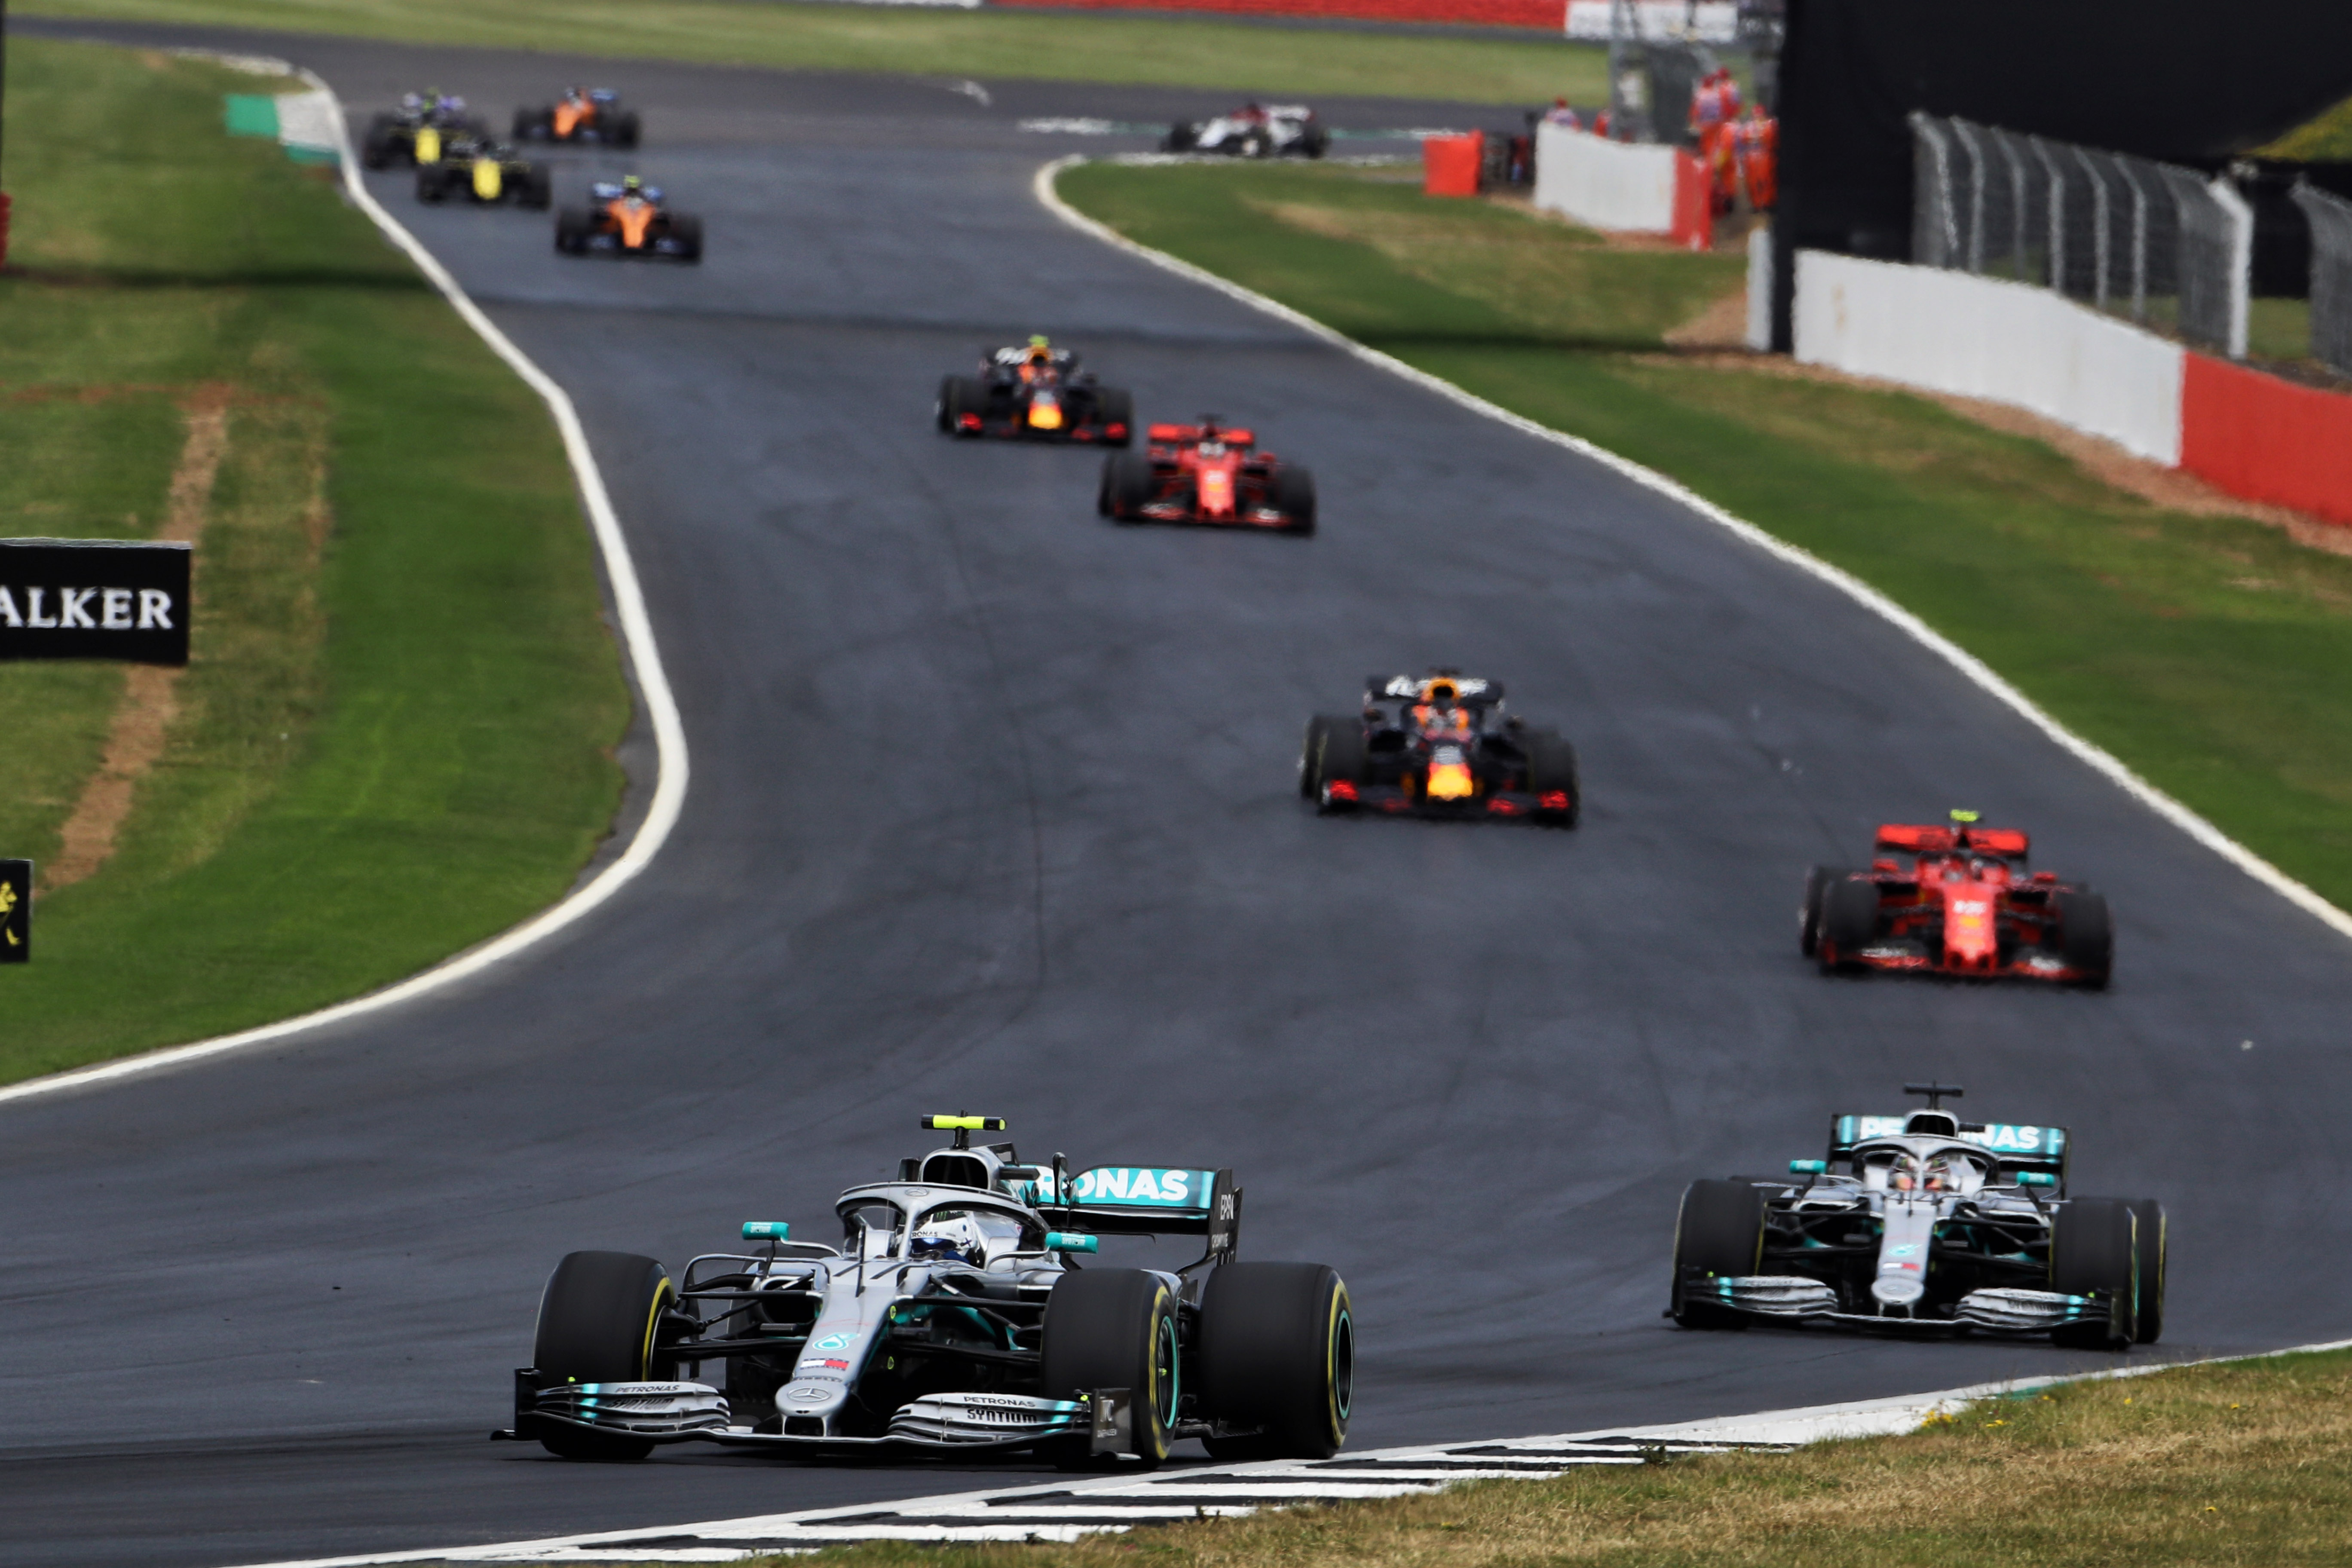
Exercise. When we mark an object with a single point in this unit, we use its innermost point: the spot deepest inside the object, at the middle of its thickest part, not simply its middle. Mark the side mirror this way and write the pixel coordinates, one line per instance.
(1808, 1167)
(1063, 1241)
(766, 1229)
(2036, 1179)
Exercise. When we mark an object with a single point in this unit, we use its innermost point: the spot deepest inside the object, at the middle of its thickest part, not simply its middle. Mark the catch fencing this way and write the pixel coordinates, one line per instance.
(2159, 244)
(2330, 217)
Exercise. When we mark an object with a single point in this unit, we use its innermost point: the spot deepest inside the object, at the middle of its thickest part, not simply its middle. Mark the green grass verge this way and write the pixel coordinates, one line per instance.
(2240, 1463)
(2208, 652)
(393, 736)
(2326, 136)
(1055, 46)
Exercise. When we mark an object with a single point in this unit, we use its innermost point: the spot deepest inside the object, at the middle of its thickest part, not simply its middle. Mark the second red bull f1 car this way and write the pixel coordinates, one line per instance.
(954, 1317)
(1035, 393)
(1207, 473)
(1958, 899)
(1439, 746)
(1924, 1224)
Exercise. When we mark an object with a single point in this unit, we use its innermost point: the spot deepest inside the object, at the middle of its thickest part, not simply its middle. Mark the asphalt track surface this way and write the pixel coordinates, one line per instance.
(992, 809)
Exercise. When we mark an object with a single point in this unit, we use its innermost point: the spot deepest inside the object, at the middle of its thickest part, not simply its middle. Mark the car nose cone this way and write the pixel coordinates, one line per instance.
(1893, 1291)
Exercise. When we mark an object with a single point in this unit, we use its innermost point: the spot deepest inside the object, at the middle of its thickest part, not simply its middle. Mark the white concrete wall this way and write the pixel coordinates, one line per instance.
(1604, 184)
(1711, 22)
(1981, 337)
(1760, 288)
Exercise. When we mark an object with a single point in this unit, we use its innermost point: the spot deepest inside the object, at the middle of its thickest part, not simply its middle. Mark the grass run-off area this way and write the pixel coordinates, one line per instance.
(1229, 56)
(2240, 1463)
(2209, 652)
(392, 737)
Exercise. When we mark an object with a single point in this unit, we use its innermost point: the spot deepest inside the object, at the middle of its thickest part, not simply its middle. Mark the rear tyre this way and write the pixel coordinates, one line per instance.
(687, 232)
(572, 228)
(1551, 766)
(963, 394)
(2091, 1250)
(1310, 754)
(1182, 137)
(1277, 1351)
(535, 191)
(598, 1322)
(1849, 923)
(1293, 497)
(1809, 914)
(2149, 1222)
(377, 147)
(1116, 409)
(1718, 1233)
(2087, 937)
(1116, 1328)
(532, 124)
(625, 130)
(430, 188)
(1127, 484)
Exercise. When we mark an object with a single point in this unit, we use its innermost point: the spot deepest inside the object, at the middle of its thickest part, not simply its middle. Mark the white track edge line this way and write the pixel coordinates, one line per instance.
(1889, 1416)
(637, 634)
(1968, 664)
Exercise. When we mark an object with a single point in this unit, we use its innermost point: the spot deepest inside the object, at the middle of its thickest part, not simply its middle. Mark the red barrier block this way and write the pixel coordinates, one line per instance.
(1450, 165)
(1694, 205)
(2267, 440)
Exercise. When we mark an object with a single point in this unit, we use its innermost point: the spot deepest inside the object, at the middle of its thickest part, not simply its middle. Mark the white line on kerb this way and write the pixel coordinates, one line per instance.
(637, 634)
(1862, 593)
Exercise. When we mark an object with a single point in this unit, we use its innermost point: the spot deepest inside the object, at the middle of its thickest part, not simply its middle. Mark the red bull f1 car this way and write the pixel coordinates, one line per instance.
(628, 220)
(953, 1317)
(484, 172)
(1035, 393)
(1924, 1224)
(1957, 899)
(583, 114)
(1207, 473)
(1439, 746)
(1275, 131)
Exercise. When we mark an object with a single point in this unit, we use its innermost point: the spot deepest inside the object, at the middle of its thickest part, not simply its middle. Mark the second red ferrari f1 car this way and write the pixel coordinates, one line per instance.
(1211, 474)
(1438, 747)
(1958, 899)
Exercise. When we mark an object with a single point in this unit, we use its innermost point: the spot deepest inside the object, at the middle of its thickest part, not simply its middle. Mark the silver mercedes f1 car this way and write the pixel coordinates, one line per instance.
(954, 1316)
(1924, 1224)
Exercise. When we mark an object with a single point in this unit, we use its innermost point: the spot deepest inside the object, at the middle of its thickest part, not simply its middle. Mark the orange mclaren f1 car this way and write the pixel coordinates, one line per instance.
(1956, 899)
(628, 220)
(1207, 473)
(583, 114)
(1439, 746)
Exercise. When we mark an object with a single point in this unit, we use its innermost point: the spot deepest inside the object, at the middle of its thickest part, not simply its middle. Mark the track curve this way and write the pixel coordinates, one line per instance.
(994, 809)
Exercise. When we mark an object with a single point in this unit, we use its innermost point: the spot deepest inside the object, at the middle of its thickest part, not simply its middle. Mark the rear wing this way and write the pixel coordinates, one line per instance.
(1473, 690)
(2018, 1147)
(1189, 434)
(1149, 1200)
(1933, 838)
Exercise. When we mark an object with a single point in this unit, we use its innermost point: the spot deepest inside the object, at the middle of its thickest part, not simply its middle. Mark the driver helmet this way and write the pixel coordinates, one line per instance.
(1040, 348)
(631, 186)
(957, 1240)
(1441, 692)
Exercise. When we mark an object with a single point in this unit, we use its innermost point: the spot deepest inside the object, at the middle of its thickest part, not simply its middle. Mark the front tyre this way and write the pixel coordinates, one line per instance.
(1551, 769)
(1127, 485)
(2093, 1250)
(1278, 1346)
(1849, 923)
(1116, 1328)
(1293, 497)
(1718, 1234)
(1818, 881)
(599, 1318)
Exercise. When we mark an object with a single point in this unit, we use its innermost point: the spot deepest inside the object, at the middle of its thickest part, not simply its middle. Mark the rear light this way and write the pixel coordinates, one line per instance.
(1501, 807)
(1340, 789)
(1552, 800)
(970, 421)
(1117, 432)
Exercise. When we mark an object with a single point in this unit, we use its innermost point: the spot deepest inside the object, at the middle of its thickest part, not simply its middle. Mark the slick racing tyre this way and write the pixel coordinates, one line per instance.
(599, 1322)
(380, 143)
(2091, 1250)
(1551, 766)
(1809, 914)
(1310, 754)
(1719, 1233)
(1116, 408)
(625, 129)
(1127, 485)
(2087, 937)
(533, 124)
(2149, 1222)
(1181, 137)
(1277, 1352)
(572, 228)
(1116, 1328)
(1341, 761)
(687, 232)
(1849, 924)
(959, 395)
(535, 190)
(1293, 494)
(432, 185)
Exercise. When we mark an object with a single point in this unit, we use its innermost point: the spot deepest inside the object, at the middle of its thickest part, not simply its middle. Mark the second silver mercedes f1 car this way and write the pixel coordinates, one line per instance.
(954, 1316)
(1924, 1224)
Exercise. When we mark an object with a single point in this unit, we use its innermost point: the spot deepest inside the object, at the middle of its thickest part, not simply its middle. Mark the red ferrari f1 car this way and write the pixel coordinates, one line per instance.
(1958, 899)
(1207, 473)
